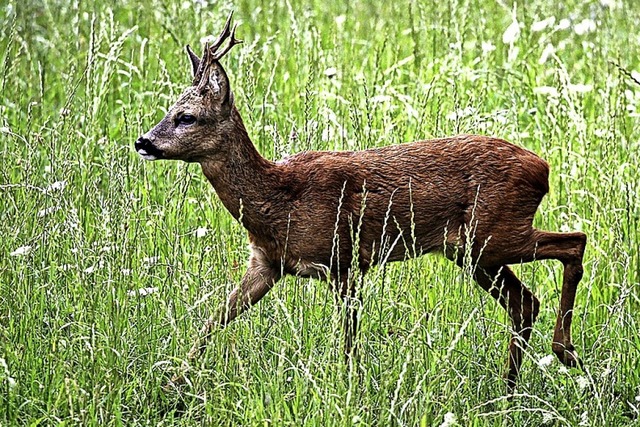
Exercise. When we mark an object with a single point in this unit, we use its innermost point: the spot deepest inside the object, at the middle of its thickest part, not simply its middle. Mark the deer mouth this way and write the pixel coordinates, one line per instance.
(147, 150)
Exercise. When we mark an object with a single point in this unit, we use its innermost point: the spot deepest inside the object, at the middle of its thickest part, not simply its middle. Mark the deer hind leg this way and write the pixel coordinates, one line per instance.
(569, 249)
(521, 305)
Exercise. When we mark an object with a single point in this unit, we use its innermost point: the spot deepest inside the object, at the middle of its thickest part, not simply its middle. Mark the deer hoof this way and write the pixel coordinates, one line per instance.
(176, 383)
(567, 355)
(178, 380)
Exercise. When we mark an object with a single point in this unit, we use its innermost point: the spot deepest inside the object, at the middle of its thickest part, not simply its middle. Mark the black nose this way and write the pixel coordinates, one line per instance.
(146, 148)
(142, 143)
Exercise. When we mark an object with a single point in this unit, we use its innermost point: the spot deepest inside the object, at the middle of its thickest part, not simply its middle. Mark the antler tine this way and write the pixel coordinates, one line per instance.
(203, 62)
(232, 42)
(223, 35)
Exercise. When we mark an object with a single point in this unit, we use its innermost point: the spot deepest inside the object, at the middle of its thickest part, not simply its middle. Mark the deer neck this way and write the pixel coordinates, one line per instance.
(243, 180)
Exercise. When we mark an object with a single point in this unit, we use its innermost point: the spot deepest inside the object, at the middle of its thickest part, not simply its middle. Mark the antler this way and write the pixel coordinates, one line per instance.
(224, 35)
(232, 41)
(202, 65)
(212, 53)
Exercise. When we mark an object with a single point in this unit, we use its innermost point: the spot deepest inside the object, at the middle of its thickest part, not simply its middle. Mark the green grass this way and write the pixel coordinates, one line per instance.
(81, 81)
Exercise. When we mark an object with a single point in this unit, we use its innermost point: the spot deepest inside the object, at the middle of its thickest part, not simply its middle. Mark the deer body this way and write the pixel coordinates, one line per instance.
(326, 214)
(401, 201)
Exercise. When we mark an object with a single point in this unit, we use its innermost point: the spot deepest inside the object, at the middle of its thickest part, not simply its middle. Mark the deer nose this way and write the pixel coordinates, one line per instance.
(142, 143)
(144, 146)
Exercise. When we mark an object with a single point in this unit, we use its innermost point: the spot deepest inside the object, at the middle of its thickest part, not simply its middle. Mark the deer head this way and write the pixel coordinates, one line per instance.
(195, 126)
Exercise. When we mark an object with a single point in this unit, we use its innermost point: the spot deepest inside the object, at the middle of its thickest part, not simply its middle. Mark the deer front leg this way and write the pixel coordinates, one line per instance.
(350, 304)
(259, 278)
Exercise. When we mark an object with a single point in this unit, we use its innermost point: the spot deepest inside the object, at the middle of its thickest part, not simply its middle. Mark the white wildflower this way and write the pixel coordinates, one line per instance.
(546, 90)
(201, 231)
(548, 50)
(331, 72)
(341, 19)
(601, 133)
(547, 417)
(293, 136)
(611, 4)
(207, 39)
(541, 25)
(512, 33)
(585, 26)
(450, 419)
(546, 361)
(90, 270)
(500, 116)
(142, 292)
(328, 133)
(583, 382)
(584, 419)
(380, 99)
(488, 47)
(461, 113)
(56, 186)
(11, 382)
(563, 370)
(150, 261)
(126, 271)
(563, 24)
(21, 251)
(513, 53)
(579, 88)
(47, 211)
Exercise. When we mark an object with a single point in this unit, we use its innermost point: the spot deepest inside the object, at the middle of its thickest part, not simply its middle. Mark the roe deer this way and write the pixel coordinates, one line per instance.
(324, 214)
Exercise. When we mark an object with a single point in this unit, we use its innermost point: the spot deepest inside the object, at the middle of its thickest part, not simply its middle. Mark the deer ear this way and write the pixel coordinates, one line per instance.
(195, 61)
(217, 83)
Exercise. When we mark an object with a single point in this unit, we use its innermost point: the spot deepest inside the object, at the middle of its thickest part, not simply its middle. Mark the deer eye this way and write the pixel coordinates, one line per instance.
(186, 119)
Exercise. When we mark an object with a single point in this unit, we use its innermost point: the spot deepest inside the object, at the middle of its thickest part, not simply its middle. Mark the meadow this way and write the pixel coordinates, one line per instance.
(109, 264)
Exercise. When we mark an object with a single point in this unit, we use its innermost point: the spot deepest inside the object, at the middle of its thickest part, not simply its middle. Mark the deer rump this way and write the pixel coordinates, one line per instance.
(402, 201)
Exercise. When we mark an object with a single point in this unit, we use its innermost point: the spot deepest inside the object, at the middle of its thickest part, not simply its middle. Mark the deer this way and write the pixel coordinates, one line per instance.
(333, 215)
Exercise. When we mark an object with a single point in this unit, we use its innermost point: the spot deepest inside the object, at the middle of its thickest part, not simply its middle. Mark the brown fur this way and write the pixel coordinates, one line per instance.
(323, 213)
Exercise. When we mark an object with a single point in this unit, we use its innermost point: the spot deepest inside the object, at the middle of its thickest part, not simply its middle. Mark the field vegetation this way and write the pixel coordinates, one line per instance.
(109, 264)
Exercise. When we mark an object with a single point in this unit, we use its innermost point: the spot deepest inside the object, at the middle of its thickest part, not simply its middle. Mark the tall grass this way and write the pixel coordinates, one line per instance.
(109, 264)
